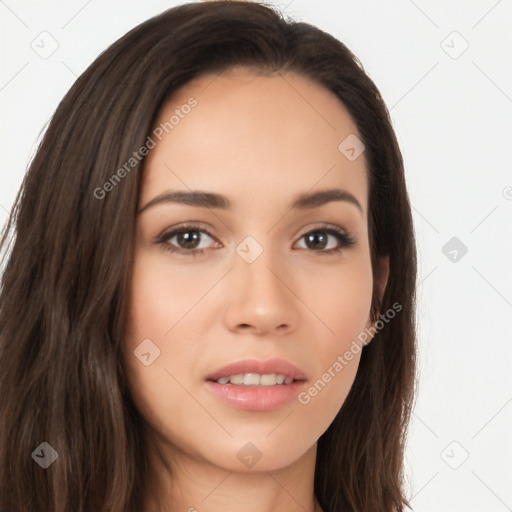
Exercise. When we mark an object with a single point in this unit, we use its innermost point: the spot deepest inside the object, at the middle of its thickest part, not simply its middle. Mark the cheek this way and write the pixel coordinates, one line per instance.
(340, 297)
(162, 295)
(342, 302)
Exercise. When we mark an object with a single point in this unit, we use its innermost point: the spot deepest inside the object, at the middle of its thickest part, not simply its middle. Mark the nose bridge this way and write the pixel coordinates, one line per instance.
(257, 268)
(259, 295)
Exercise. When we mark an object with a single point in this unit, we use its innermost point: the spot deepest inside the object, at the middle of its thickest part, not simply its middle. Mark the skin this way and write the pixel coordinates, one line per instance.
(260, 141)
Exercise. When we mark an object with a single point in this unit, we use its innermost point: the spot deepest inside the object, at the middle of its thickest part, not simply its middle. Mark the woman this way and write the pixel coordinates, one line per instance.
(209, 298)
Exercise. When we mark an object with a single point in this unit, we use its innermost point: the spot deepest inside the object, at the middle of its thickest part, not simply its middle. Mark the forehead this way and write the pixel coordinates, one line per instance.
(251, 136)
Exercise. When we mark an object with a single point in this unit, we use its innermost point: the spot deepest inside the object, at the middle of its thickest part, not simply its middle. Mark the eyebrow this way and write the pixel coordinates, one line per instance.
(308, 200)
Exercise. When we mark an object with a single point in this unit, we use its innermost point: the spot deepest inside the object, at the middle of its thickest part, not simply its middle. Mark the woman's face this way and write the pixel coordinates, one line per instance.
(250, 271)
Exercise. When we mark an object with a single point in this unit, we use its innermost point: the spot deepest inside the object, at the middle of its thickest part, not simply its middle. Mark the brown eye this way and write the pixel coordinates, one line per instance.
(186, 240)
(316, 240)
(326, 240)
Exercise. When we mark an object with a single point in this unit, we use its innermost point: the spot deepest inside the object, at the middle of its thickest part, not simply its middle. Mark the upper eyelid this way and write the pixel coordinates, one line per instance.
(192, 227)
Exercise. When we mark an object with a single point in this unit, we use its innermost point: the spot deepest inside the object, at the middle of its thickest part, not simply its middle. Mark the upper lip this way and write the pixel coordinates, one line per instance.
(267, 367)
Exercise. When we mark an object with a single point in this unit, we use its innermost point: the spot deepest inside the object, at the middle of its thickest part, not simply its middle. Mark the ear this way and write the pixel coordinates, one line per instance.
(379, 287)
(381, 280)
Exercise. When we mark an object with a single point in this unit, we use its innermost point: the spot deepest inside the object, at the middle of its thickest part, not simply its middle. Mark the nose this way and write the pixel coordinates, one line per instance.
(260, 298)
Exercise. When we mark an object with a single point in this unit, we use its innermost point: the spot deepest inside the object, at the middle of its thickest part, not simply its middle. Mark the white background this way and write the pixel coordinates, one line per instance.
(453, 117)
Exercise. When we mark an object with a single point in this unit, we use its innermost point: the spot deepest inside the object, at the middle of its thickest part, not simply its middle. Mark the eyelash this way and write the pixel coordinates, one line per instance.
(344, 240)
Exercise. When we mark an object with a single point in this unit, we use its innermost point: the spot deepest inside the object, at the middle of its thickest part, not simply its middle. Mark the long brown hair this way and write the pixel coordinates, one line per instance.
(68, 259)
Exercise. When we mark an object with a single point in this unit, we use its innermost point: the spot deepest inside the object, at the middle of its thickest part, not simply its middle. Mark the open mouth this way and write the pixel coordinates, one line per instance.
(257, 385)
(255, 379)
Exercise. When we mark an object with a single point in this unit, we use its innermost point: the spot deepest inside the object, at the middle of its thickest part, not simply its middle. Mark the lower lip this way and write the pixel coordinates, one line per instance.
(256, 398)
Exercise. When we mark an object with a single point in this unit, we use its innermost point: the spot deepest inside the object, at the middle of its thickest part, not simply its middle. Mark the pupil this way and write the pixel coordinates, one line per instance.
(318, 241)
(188, 239)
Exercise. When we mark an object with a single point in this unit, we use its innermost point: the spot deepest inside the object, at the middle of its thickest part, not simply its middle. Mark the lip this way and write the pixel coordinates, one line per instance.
(257, 398)
(278, 366)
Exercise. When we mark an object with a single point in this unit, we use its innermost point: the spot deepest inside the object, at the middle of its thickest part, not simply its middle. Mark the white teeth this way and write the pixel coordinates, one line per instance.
(251, 379)
(268, 380)
(255, 379)
(236, 379)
